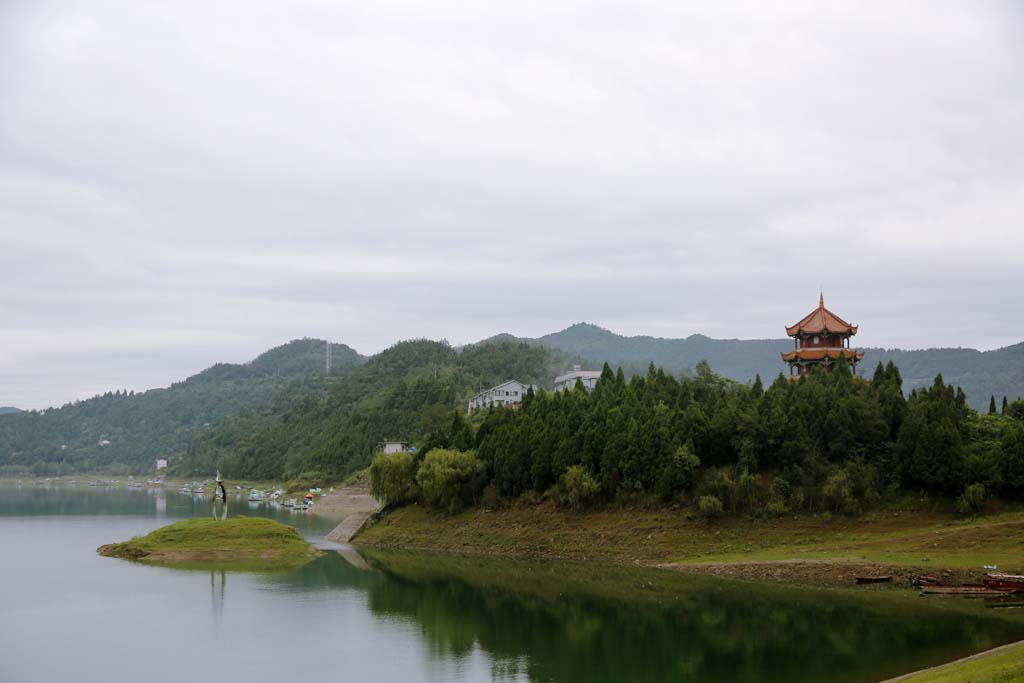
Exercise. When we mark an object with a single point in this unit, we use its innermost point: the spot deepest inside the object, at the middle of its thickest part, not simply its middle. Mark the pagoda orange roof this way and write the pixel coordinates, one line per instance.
(821, 320)
(822, 354)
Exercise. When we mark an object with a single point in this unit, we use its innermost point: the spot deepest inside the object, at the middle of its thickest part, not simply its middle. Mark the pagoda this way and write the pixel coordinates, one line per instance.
(818, 340)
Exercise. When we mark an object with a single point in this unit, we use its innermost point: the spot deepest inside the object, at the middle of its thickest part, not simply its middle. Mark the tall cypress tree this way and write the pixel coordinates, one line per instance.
(880, 375)
(992, 405)
(893, 375)
(1004, 405)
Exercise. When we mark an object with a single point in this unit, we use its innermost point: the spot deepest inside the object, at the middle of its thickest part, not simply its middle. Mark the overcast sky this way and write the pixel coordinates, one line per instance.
(183, 183)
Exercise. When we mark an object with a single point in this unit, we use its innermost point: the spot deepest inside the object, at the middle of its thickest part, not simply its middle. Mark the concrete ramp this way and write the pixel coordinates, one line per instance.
(353, 505)
(350, 526)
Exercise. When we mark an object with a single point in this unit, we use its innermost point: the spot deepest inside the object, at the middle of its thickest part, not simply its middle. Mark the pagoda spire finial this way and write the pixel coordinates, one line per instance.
(821, 299)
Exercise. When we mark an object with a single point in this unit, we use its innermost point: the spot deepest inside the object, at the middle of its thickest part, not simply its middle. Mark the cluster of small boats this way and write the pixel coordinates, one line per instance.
(256, 497)
(297, 505)
(276, 498)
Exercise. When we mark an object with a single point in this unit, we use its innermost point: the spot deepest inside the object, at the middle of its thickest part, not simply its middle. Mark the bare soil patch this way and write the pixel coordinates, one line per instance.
(344, 501)
(837, 572)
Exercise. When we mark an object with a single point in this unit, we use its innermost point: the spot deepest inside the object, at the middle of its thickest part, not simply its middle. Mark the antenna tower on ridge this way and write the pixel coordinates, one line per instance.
(327, 355)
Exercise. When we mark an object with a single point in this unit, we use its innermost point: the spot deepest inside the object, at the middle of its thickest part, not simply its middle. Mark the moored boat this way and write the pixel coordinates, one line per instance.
(1004, 582)
(963, 591)
(873, 579)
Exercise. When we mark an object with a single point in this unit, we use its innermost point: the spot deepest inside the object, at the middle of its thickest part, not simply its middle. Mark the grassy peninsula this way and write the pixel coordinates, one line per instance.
(244, 543)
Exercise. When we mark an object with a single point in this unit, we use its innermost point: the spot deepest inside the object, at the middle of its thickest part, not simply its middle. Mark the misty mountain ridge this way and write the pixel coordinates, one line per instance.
(123, 431)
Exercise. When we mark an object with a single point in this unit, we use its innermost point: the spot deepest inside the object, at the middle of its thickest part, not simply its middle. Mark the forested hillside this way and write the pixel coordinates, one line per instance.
(123, 431)
(280, 416)
(981, 374)
(6, 410)
(400, 393)
(827, 442)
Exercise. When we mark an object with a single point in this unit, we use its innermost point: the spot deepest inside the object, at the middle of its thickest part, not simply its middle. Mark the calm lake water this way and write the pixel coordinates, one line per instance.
(70, 615)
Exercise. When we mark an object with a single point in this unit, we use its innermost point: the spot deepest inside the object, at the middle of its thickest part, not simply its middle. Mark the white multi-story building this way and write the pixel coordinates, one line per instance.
(568, 380)
(507, 394)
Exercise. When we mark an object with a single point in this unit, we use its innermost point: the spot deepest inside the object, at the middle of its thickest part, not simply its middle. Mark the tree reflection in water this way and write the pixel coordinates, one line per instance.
(217, 594)
(573, 621)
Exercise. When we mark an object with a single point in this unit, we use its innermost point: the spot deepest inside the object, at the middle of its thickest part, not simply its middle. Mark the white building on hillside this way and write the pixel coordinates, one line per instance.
(507, 394)
(394, 446)
(568, 380)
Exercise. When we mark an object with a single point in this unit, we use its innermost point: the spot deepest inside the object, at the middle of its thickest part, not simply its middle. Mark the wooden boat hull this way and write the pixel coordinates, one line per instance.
(873, 579)
(1004, 582)
(963, 591)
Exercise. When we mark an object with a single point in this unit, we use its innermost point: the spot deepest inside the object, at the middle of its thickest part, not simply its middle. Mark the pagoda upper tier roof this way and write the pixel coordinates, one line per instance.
(821, 321)
(822, 354)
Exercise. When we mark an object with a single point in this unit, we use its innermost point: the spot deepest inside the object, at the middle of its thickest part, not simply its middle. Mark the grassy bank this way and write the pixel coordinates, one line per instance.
(246, 543)
(926, 540)
(1002, 665)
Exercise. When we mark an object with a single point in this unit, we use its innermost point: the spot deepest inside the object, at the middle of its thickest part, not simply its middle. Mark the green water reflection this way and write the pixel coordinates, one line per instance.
(403, 616)
(558, 621)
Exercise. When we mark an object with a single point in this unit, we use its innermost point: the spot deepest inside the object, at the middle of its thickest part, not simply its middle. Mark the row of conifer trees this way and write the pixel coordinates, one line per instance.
(827, 441)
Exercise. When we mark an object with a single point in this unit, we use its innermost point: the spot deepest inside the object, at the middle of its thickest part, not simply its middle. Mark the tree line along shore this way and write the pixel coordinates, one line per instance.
(830, 443)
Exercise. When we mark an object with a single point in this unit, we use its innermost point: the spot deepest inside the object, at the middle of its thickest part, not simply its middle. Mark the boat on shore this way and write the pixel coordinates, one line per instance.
(964, 591)
(1004, 582)
(873, 579)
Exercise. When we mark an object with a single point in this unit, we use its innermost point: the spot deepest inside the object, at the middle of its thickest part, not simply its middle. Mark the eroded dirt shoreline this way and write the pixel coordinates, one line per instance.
(799, 550)
(835, 572)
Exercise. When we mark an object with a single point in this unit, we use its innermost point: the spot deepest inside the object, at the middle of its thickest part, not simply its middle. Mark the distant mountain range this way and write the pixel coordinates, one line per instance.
(981, 373)
(7, 409)
(263, 404)
(120, 431)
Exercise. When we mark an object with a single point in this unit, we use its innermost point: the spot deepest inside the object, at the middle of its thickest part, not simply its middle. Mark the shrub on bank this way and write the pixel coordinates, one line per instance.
(838, 493)
(710, 506)
(393, 478)
(576, 488)
(776, 508)
(678, 473)
(972, 499)
(718, 484)
(450, 479)
(749, 491)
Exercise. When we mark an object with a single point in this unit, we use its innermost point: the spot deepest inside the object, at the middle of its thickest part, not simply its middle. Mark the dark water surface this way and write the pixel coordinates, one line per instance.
(70, 615)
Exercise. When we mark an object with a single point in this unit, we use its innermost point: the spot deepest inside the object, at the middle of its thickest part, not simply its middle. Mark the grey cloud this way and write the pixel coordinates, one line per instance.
(184, 184)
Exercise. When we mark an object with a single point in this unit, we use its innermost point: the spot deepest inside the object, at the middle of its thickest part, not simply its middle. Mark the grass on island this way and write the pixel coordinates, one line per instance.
(245, 543)
(1003, 665)
(916, 538)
